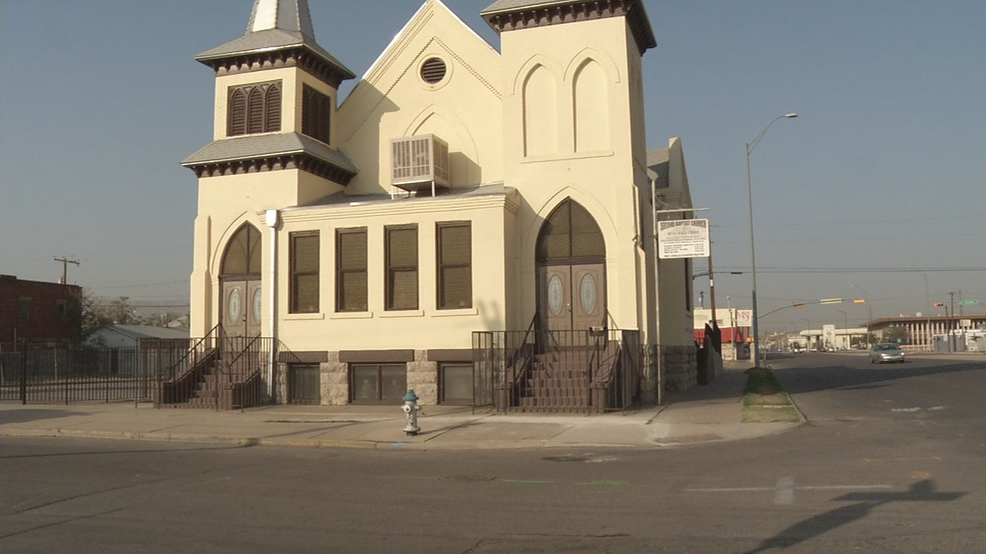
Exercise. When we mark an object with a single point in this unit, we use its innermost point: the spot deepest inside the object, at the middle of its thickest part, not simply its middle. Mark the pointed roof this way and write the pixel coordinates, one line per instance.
(275, 25)
(276, 14)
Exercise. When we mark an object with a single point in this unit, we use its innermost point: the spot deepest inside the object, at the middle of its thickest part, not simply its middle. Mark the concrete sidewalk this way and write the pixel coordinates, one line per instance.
(704, 414)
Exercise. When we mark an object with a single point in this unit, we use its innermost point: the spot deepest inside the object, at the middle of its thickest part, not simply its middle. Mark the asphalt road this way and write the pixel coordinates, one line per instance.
(893, 461)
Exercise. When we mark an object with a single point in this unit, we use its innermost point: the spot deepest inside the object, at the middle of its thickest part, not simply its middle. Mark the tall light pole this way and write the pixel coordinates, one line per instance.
(753, 253)
(808, 344)
(870, 306)
(846, 327)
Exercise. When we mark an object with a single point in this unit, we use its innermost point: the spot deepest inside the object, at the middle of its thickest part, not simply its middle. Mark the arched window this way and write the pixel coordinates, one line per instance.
(272, 108)
(570, 234)
(237, 107)
(254, 109)
(243, 253)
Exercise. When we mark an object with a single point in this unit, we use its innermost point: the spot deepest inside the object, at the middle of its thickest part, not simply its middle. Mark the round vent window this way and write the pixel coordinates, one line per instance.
(433, 71)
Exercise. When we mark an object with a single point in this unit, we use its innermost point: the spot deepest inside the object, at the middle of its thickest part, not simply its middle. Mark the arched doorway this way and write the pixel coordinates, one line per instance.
(242, 299)
(571, 260)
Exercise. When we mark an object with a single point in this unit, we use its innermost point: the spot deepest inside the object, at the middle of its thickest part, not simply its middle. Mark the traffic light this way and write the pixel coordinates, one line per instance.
(939, 304)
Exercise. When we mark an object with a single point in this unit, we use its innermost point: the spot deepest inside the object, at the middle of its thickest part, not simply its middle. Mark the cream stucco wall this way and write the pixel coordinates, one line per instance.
(596, 173)
(380, 329)
(224, 204)
(393, 101)
(292, 82)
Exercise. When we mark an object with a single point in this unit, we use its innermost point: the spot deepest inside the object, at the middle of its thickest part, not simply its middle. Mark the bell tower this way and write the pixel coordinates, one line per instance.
(274, 146)
(276, 98)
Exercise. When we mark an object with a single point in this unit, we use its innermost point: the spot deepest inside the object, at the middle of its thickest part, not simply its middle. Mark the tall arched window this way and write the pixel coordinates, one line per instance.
(243, 253)
(570, 233)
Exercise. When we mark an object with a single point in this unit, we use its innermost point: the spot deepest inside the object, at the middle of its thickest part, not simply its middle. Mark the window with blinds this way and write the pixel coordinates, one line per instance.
(454, 265)
(254, 109)
(304, 272)
(351, 270)
(402, 268)
(316, 110)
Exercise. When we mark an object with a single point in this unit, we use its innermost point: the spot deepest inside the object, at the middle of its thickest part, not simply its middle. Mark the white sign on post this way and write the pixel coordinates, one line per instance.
(683, 238)
(744, 318)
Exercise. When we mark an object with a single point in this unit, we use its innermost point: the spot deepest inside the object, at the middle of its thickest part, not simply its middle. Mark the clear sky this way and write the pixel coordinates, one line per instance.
(882, 170)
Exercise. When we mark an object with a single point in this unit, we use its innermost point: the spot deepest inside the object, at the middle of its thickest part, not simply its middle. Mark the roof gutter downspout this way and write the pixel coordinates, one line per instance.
(272, 221)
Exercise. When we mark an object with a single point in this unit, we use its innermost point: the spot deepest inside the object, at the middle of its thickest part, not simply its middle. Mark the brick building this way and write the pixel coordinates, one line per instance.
(36, 311)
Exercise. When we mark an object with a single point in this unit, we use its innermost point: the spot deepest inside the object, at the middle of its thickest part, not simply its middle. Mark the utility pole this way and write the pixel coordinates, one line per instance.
(961, 317)
(712, 286)
(951, 324)
(65, 262)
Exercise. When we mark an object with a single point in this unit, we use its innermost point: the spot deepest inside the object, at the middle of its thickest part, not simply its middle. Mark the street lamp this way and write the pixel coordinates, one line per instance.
(866, 296)
(846, 327)
(753, 253)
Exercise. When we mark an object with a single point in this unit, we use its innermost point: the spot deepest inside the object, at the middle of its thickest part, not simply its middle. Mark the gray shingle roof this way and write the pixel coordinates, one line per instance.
(149, 331)
(269, 40)
(501, 6)
(255, 146)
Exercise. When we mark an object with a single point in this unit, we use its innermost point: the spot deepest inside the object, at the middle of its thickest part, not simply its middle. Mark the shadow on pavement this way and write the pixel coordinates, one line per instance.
(923, 491)
(799, 379)
(27, 415)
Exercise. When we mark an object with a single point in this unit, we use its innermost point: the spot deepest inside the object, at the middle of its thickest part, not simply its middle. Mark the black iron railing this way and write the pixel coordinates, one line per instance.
(558, 371)
(65, 373)
(216, 371)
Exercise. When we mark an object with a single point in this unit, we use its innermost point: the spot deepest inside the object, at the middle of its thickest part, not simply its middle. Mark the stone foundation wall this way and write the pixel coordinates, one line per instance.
(648, 385)
(334, 381)
(281, 384)
(680, 367)
(422, 377)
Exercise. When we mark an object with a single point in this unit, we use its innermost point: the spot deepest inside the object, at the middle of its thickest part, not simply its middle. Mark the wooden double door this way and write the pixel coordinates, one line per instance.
(242, 308)
(571, 297)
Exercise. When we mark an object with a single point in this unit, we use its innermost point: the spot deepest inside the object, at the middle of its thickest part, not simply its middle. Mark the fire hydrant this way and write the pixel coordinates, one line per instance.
(411, 410)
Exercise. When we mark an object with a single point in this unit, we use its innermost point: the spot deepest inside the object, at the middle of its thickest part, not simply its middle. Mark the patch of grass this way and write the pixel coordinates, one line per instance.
(760, 414)
(764, 400)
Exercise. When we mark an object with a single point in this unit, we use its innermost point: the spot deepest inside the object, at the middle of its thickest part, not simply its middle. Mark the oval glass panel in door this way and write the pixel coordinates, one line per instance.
(555, 294)
(234, 307)
(258, 302)
(587, 292)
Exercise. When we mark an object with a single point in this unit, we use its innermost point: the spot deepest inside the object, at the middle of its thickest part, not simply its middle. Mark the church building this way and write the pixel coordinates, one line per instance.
(471, 223)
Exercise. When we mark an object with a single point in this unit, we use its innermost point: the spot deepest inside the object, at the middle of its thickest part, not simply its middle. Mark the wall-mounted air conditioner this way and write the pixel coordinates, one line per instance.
(419, 162)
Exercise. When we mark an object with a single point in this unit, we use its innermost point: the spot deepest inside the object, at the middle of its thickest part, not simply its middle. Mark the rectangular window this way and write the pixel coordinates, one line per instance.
(456, 382)
(402, 268)
(62, 310)
(454, 265)
(351, 270)
(315, 114)
(304, 272)
(378, 383)
(25, 312)
(303, 384)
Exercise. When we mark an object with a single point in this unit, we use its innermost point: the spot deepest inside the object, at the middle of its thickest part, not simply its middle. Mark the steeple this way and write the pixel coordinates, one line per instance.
(279, 34)
(289, 15)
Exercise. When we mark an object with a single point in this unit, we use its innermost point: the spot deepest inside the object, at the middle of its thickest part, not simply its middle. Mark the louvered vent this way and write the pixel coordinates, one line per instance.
(419, 162)
(433, 71)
